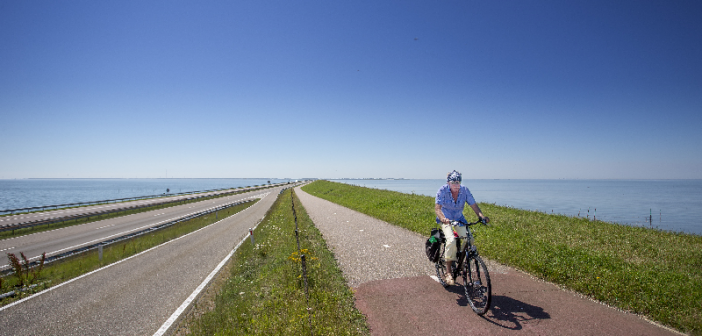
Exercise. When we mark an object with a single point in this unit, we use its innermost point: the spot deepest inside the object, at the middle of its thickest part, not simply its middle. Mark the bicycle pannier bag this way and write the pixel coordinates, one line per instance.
(433, 245)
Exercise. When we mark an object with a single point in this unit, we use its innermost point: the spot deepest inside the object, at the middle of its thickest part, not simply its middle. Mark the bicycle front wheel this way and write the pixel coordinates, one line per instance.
(476, 284)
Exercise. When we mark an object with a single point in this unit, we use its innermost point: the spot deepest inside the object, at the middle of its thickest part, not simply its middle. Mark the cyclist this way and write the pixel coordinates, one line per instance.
(450, 200)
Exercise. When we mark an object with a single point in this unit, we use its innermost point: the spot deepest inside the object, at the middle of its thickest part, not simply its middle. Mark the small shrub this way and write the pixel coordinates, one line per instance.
(17, 268)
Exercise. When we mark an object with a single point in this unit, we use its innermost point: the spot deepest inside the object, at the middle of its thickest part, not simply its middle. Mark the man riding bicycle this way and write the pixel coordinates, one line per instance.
(450, 200)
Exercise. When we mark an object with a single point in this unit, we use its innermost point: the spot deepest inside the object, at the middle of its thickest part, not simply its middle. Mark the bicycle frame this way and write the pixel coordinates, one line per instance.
(466, 252)
(476, 278)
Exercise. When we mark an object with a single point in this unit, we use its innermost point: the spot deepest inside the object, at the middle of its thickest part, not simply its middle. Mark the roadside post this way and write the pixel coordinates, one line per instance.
(251, 235)
(100, 252)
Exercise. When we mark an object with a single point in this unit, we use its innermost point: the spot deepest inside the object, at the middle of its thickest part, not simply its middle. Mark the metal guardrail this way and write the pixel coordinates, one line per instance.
(53, 220)
(85, 249)
(68, 205)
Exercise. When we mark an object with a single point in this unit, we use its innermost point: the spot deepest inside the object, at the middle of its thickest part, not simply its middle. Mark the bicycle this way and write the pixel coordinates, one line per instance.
(471, 269)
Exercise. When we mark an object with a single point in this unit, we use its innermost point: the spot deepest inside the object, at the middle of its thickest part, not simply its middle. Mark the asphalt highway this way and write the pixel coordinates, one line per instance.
(65, 239)
(135, 296)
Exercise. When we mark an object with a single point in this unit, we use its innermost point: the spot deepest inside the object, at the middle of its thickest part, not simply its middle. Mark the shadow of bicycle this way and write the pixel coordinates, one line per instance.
(510, 313)
(505, 311)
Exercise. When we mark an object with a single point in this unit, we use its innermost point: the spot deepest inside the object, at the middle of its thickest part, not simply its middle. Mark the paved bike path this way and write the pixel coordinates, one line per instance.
(391, 278)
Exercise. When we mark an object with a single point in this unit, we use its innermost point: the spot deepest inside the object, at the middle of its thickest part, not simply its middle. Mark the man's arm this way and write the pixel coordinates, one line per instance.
(440, 214)
(479, 213)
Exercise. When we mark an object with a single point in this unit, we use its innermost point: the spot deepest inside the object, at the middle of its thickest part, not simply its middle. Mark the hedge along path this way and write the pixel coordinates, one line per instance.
(388, 268)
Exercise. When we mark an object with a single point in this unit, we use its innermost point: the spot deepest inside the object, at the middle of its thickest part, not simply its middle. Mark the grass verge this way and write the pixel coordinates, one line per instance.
(265, 294)
(650, 272)
(99, 217)
(64, 270)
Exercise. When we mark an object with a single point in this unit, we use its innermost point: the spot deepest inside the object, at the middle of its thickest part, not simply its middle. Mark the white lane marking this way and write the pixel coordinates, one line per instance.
(435, 278)
(386, 245)
(104, 226)
(174, 317)
(9, 248)
(117, 262)
(107, 237)
(161, 331)
(136, 214)
(92, 241)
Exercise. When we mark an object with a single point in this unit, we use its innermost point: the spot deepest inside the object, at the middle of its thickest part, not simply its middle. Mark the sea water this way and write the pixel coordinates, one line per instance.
(673, 205)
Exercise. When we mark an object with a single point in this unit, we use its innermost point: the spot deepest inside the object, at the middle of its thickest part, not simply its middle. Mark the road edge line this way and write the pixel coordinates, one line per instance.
(110, 265)
(166, 327)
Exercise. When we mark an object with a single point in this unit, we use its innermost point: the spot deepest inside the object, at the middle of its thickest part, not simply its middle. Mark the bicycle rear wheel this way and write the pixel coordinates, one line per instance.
(476, 283)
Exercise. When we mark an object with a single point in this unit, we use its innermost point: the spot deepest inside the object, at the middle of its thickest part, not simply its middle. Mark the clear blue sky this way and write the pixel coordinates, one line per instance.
(413, 89)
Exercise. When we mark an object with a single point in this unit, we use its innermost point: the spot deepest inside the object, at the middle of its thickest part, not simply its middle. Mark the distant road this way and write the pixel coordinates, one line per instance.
(64, 213)
(65, 239)
(136, 296)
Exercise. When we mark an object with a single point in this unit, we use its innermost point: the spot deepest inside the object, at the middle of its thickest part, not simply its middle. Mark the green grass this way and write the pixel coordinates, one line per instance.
(645, 271)
(264, 294)
(61, 271)
(47, 227)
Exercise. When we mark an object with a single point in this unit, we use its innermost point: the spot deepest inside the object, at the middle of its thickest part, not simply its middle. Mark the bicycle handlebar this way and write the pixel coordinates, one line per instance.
(455, 223)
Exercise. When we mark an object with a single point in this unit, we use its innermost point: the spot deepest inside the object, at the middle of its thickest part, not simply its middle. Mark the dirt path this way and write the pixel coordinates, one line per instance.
(391, 277)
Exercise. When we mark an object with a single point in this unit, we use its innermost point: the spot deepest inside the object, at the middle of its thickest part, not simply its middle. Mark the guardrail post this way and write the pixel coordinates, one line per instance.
(100, 252)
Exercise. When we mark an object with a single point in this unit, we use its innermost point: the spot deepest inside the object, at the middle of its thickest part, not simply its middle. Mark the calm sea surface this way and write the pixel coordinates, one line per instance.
(15, 194)
(674, 205)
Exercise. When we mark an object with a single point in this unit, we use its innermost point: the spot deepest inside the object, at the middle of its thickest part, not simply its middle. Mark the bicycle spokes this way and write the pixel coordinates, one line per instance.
(476, 284)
